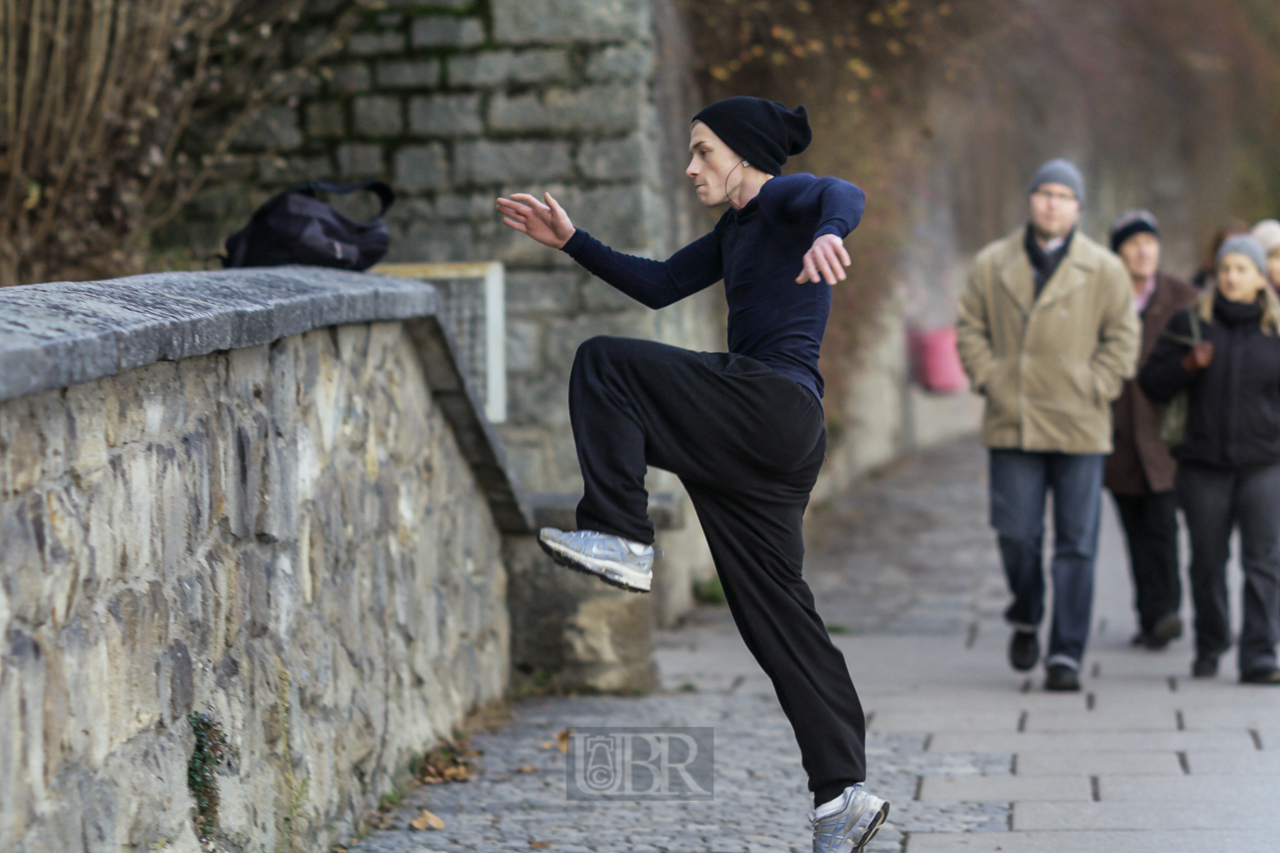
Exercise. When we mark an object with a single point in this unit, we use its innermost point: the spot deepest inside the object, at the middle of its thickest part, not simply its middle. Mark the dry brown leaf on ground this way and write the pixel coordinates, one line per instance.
(427, 820)
(539, 845)
(526, 768)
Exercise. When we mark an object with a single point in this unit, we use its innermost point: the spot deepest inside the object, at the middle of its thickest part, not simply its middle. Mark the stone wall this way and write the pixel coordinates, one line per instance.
(455, 102)
(299, 535)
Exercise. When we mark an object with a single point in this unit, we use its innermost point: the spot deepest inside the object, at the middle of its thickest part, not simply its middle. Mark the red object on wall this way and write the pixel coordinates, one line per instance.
(935, 363)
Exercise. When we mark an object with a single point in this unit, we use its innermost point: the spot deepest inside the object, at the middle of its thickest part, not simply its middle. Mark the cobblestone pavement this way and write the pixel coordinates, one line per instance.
(971, 755)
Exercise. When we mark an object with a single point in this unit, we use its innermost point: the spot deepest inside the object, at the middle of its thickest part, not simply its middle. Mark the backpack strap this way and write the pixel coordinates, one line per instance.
(385, 194)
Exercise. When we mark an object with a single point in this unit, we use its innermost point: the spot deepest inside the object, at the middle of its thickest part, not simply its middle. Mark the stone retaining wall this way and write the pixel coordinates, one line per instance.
(300, 535)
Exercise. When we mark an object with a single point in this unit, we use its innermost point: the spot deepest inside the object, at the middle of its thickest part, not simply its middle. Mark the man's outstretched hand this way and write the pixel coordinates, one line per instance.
(825, 261)
(545, 222)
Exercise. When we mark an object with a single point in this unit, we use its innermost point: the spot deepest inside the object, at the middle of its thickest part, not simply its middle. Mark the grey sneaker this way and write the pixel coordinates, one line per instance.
(854, 822)
(611, 558)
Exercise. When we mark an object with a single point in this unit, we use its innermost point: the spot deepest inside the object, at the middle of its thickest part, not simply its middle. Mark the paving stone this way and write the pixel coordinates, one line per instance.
(1157, 841)
(899, 720)
(447, 31)
(1209, 762)
(987, 789)
(1187, 789)
(1093, 763)
(1133, 741)
(1254, 813)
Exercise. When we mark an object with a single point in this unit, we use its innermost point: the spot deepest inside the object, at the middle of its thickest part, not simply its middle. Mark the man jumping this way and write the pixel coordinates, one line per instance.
(743, 430)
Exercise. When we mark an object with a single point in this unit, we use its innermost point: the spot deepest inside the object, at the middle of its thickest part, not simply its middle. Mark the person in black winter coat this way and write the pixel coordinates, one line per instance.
(1229, 460)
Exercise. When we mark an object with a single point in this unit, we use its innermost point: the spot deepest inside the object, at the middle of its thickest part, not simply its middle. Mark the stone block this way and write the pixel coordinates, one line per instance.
(600, 296)
(524, 342)
(359, 159)
(485, 162)
(503, 67)
(433, 243)
(621, 62)
(447, 31)
(611, 159)
(378, 115)
(375, 44)
(346, 79)
(455, 5)
(445, 115)
(326, 119)
(271, 129)
(611, 109)
(471, 207)
(294, 169)
(616, 215)
(568, 21)
(421, 167)
(542, 293)
(415, 74)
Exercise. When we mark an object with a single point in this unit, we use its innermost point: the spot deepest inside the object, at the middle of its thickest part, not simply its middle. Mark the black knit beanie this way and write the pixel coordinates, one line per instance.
(1130, 223)
(764, 133)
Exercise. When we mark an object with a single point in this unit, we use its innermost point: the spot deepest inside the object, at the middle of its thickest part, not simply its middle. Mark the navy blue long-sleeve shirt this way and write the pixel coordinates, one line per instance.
(758, 251)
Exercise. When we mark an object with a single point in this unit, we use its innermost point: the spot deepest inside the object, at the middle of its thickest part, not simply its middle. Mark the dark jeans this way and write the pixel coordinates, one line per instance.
(1020, 481)
(747, 442)
(1214, 502)
(1151, 528)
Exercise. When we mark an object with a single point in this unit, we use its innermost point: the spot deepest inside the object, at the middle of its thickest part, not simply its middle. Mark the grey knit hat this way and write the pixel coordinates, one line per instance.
(1059, 171)
(1243, 244)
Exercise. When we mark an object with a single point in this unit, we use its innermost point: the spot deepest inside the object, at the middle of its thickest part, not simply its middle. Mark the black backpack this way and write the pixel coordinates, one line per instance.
(295, 227)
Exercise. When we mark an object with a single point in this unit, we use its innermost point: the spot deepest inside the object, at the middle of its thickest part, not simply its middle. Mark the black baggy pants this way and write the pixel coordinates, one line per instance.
(1151, 527)
(747, 443)
(1214, 501)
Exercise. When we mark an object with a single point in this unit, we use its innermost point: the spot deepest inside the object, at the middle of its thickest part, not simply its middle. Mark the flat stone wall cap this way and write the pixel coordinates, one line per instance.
(63, 333)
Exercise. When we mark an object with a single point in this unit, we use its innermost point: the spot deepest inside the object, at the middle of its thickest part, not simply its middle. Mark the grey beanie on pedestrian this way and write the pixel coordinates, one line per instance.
(1243, 244)
(1059, 171)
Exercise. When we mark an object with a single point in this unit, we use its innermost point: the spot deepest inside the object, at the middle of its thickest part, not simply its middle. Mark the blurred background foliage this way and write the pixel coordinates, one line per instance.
(117, 112)
(942, 110)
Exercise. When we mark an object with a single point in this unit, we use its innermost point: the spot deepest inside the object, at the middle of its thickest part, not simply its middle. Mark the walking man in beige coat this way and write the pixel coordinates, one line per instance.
(1047, 333)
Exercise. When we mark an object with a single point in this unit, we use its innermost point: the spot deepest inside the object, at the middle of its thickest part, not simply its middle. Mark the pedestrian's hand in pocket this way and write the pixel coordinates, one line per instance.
(1198, 357)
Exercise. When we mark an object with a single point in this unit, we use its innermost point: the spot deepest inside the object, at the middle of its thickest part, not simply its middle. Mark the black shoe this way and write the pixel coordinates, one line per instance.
(1205, 667)
(1061, 677)
(1263, 675)
(1168, 628)
(1024, 650)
